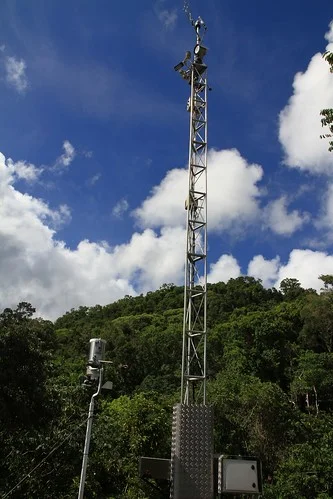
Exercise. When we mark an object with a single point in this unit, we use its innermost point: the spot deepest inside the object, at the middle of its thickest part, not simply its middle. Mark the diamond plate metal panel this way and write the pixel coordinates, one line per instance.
(192, 452)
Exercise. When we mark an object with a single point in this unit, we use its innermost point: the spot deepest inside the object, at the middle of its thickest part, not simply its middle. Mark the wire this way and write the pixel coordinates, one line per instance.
(42, 461)
(69, 419)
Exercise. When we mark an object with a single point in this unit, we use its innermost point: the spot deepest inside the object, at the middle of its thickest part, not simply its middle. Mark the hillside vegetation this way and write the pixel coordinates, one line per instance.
(270, 367)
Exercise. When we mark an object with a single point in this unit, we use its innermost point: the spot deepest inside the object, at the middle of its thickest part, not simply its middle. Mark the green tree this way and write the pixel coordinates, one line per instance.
(312, 385)
(317, 331)
(127, 428)
(252, 418)
(25, 346)
(291, 288)
(306, 470)
(328, 282)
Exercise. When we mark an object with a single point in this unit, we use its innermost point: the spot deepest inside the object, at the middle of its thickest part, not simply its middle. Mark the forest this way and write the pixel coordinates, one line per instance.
(270, 370)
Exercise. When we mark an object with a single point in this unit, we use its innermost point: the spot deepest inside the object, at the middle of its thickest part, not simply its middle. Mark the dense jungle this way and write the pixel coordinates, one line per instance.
(270, 370)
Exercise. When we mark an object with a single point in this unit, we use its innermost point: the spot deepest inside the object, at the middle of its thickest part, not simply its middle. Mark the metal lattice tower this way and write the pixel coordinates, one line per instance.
(193, 382)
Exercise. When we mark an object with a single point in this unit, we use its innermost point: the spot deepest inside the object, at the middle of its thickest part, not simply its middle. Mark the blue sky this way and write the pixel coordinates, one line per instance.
(94, 137)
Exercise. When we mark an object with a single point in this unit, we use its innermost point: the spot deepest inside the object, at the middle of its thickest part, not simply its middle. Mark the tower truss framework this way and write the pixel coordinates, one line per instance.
(193, 382)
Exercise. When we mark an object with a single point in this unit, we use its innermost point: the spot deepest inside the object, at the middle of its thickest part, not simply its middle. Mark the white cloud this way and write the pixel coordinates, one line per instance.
(167, 17)
(60, 217)
(68, 155)
(281, 222)
(37, 267)
(303, 264)
(224, 269)
(300, 125)
(15, 73)
(233, 194)
(23, 170)
(152, 259)
(120, 208)
(306, 265)
(92, 180)
(266, 270)
(329, 34)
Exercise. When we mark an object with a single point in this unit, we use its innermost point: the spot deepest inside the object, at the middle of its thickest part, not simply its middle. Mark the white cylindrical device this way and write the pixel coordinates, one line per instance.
(97, 351)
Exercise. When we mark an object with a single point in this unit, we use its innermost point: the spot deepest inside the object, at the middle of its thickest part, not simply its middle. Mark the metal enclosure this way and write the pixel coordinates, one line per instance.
(192, 474)
(239, 476)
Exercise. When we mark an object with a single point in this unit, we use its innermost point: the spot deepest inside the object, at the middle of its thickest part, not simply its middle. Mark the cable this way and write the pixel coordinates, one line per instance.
(66, 422)
(42, 461)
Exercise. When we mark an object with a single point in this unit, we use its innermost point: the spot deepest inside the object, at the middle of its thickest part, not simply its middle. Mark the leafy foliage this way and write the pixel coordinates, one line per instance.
(270, 365)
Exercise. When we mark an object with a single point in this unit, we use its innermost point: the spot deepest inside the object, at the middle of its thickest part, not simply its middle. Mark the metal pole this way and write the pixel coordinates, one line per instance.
(88, 435)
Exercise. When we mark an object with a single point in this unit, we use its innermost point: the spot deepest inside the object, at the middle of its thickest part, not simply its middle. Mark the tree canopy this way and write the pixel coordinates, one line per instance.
(270, 364)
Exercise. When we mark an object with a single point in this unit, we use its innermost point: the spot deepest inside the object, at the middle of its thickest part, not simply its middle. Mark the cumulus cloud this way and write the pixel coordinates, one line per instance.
(120, 208)
(329, 34)
(233, 194)
(224, 269)
(300, 125)
(266, 270)
(68, 155)
(15, 74)
(306, 265)
(37, 267)
(303, 264)
(21, 170)
(152, 259)
(281, 222)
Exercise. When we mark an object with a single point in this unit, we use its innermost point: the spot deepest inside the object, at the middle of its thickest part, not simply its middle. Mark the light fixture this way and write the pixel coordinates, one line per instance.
(200, 51)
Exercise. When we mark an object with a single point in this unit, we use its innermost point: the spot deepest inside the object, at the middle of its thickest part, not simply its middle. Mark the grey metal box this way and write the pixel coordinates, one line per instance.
(192, 452)
(239, 476)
